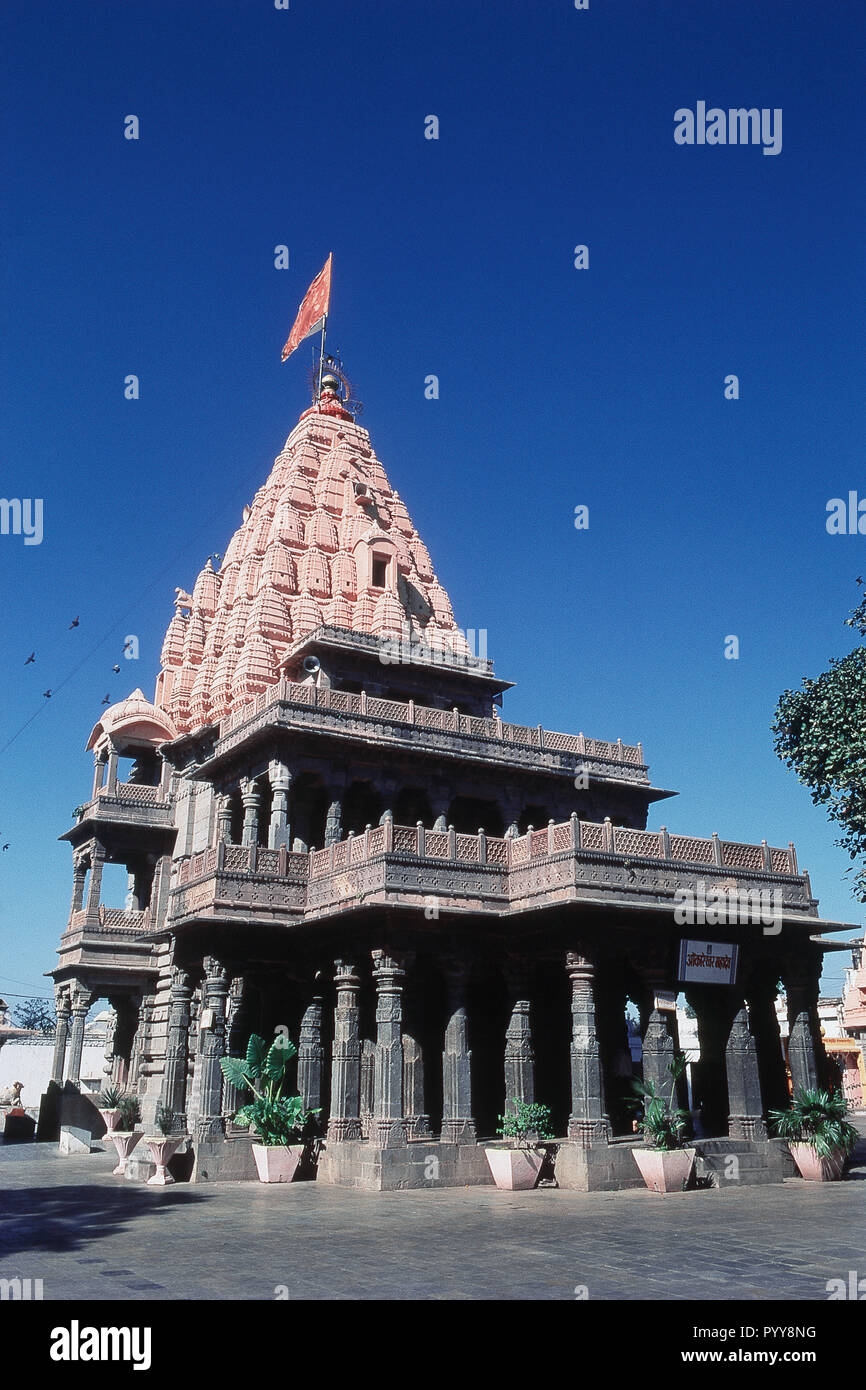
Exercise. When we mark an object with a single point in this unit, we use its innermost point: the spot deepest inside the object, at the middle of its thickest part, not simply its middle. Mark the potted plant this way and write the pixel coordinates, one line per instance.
(279, 1120)
(108, 1105)
(126, 1136)
(665, 1163)
(516, 1164)
(819, 1135)
(163, 1147)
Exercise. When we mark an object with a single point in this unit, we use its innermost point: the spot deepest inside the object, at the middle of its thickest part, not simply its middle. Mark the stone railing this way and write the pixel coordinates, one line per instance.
(125, 797)
(417, 716)
(110, 918)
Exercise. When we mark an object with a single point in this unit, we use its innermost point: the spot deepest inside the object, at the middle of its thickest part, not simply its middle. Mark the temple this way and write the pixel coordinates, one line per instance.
(327, 825)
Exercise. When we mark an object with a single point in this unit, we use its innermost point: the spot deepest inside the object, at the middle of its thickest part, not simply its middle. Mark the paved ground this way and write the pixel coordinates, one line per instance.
(89, 1235)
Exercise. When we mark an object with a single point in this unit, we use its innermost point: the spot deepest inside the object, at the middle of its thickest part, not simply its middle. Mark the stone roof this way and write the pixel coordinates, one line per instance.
(326, 541)
(135, 719)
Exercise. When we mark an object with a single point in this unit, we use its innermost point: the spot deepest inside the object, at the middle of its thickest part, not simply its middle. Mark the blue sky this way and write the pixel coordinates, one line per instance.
(455, 257)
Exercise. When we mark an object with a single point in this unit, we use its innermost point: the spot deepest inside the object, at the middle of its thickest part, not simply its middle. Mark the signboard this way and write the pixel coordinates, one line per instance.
(708, 962)
(665, 999)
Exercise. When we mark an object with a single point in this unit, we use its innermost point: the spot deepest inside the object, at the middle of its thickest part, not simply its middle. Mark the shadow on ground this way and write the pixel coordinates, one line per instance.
(71, 1218)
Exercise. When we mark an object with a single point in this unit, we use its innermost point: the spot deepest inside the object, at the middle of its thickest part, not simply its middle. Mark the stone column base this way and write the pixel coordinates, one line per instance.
(747, 1127)
(458, 1132)
(588, 1134)
(341, 1131)
(388, 1134)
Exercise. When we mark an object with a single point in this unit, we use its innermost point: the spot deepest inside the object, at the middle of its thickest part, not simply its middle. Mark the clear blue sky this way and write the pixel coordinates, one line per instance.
(454, 257)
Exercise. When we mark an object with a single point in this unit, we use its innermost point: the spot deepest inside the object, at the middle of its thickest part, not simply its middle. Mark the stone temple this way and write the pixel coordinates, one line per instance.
(327, 825)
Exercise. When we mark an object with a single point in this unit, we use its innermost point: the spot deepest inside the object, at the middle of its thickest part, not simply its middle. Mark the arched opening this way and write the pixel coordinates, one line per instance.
(309, 812)
(533, 815)
(362, 806)
(470, 813)
(411, 805)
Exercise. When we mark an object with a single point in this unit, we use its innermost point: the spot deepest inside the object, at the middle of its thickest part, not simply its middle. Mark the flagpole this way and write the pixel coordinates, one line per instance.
(322, 355)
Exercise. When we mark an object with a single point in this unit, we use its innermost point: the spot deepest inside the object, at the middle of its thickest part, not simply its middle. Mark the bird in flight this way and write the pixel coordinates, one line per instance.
(5, 846)
(106, 700)
(74, 623)
(115, 669)
(47, 694)
(31, 658)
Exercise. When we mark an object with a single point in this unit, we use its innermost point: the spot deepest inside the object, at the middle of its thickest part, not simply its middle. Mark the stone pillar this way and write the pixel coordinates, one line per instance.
(94, 887)
(224, 819)
(99, 760)
(805, 1049)
(588, 1123)
(237, 1037)
(389, 1128)
(140, 1040)
(111, 779)
(62, 1005)
(414, 1087)
(519, 1054)
(345, 1122)
(458, 1125)
(311, 1052)
(659, 1042)
(108, 1055)
(79, 874)
(281, 781)
(81, 1001)
(173, 1095)
(211, 1047)
(251, 798)
(333, 823)
(771, 1059)
(745, 1103)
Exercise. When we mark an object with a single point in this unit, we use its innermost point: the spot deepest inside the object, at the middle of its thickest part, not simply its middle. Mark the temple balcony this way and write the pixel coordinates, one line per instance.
(390, 723)
(401, 866)
(110, 938)
(126, 803)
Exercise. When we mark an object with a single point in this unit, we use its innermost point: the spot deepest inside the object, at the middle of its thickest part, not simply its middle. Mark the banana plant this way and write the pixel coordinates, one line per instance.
(277, 1118)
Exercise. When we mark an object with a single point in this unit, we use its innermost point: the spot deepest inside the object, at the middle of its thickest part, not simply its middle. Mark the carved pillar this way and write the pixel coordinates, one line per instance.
(99, 761)
(588, 1123)
(389, 1128)
(281, 782)
(237, 1037)
(81, 1001)
(458, 1125)
(108, 1055)
(519, 1053)
(94, 887)
(414, 1089)
(79, 874)
(333, 823)
(659, 1041)
(345, 1122)
(771, 1059)
(111, 779)
(125, 1032)
(311, 1053)
(173, 1096)
(745, 1103)
(368, 1082)
(251, 798)
(224, 819)
(141, 1040)
(63, 1006)
(211, 1047)
(805, 1049)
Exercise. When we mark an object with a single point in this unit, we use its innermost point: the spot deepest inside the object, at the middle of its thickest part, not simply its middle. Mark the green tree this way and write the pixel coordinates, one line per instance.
(820, 733)
(37, 1014)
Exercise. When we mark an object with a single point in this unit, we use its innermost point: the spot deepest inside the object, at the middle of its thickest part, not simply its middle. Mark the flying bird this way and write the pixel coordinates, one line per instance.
(5, 846)
(31, 658)
(115, 669)
(47, 694)
(106, 700)
(74, 623)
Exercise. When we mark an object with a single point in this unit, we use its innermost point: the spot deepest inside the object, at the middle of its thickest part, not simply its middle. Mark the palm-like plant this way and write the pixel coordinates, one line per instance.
(663, 1125)
(277, 1118)
(109, 1097)
(817, 1118)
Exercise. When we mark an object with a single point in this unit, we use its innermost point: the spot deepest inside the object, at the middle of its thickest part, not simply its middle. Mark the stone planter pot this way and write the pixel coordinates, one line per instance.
(111, 1120)
(162, 1150)
(277, 1162)
(816, 1169)
(124, 1141)
(515, 1170)
(665, 1170)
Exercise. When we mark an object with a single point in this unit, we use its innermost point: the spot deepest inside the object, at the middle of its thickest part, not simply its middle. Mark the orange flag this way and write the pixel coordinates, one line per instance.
(315, 306)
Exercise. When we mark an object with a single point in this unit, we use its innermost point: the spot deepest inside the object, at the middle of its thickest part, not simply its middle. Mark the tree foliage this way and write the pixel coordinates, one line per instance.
(820, 733)
(37, 1014)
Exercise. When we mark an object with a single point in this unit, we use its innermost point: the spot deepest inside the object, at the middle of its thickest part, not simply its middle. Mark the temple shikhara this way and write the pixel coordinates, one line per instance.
(329, 826)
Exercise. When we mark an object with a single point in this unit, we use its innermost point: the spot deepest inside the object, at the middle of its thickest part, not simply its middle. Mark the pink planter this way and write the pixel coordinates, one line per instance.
(111, 1120)
(515, 1170)
(124, 1141)
(162, 1150)
(665, 1170)
(277, 1162)
(814, 1168)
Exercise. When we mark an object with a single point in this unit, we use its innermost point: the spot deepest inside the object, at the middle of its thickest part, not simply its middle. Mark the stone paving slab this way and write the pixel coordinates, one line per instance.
(91, 1236)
